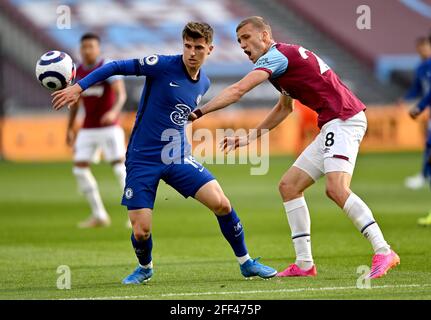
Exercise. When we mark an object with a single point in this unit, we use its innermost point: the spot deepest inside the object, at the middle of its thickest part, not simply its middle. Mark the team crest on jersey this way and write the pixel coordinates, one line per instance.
(152, 60)
(180, 116)
(128, 193)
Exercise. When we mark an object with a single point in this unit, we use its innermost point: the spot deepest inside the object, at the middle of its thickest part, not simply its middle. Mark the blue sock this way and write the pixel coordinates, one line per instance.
(143, 249)
(233, 231)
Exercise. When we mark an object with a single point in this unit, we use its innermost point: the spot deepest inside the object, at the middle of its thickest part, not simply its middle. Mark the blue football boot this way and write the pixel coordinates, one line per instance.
(140, 275)
(252, 268)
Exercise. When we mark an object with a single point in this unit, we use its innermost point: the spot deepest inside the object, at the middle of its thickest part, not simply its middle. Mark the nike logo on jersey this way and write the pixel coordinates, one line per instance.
(173, 84)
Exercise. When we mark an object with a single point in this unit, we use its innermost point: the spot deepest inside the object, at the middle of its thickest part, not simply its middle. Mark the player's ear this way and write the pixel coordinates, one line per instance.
(210, 49)
(265, 35)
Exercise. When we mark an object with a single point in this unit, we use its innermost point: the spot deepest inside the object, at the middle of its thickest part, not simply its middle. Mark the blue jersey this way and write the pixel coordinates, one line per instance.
(168, 97)
(421, 87)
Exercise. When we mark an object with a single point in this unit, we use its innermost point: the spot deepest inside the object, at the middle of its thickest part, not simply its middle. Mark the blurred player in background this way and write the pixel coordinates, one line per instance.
(158, 149)
(100, 132)
(299, 74)
(421, 89)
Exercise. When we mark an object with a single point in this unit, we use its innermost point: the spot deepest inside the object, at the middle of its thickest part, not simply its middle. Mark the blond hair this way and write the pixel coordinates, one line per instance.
(257, 22)
(196, 30)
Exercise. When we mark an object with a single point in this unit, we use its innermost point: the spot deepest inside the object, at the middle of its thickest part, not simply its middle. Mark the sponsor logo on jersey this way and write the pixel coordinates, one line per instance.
(174, 84)
(262, 61)
(94, 91)
(180, 116)
(152, 60)
(142, 61)
(198, 99)
(128, 193)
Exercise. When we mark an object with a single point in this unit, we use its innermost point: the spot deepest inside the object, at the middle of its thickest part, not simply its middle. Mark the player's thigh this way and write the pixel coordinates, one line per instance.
(86, 146)
(141, 219)
(142, 181)
(212, 196)
(293, 183)
(113, 145)
(309, 165)
(187, 177)
(341, 143)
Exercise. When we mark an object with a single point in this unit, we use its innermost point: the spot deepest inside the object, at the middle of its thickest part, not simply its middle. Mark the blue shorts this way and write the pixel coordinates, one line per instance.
(143, 179)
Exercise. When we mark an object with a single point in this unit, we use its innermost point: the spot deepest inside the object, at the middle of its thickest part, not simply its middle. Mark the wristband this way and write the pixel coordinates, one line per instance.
(198, 113)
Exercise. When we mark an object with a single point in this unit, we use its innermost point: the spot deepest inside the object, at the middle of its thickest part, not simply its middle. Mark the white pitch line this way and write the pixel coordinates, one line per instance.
(211, 293)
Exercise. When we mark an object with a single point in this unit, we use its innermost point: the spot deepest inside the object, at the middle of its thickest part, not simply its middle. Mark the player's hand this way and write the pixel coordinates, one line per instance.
(70, 137)
(231, 143)
(414, 112)
(109, 118)
(66, 97)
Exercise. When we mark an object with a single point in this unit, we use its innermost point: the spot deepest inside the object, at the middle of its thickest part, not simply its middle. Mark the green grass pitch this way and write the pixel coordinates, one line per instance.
(39, 209)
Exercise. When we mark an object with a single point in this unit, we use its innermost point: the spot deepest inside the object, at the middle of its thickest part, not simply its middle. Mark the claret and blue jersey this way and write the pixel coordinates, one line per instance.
(158, 148)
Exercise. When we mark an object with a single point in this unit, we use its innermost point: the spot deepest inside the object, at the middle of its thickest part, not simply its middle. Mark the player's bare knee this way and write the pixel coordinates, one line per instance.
(141, 233)
(288, 190)
(222, 206)
(336, 193)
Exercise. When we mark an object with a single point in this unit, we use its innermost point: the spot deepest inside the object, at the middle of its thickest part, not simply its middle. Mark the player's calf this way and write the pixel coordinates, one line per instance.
(142, 243)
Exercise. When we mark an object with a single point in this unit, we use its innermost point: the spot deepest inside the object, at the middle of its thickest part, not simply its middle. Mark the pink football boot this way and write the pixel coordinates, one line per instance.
(382, 263)
(294, 271)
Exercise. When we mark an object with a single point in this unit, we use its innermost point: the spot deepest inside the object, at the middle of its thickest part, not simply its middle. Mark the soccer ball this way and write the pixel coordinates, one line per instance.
(55, 70)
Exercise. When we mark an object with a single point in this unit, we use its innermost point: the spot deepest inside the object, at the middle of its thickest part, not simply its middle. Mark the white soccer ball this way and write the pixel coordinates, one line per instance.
(55, 70)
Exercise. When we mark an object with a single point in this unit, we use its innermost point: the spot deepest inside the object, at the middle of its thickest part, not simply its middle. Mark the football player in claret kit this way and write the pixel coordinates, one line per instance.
(100, 131)
(158, 149)
(299, 74)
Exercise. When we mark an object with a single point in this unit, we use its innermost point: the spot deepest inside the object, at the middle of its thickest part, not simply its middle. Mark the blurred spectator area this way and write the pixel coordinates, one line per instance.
(135, 28)
(368, 61)
(389, 46)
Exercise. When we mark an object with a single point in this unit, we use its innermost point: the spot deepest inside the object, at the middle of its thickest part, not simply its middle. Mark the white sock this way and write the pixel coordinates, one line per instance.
(120, 173)
(243, 259)
(363, 219)
(88, 186)
(300, 226)
(147, 266)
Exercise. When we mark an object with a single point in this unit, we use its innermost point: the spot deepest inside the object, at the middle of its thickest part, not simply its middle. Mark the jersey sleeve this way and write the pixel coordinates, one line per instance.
(149, 66)
(273, 62)
(112, 78)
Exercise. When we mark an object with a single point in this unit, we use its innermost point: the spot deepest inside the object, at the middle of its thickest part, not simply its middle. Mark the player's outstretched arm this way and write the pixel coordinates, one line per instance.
(70, 95)
(280, 111)
(231, 94)
(66, 97)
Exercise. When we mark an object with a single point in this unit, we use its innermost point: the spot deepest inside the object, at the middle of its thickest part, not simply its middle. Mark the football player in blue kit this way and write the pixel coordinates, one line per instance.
(421, 88)
(158, 149)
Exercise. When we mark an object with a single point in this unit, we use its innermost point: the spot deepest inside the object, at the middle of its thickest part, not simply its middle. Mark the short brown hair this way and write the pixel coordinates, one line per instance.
(258, 22)
(197, 30)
